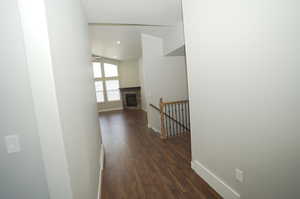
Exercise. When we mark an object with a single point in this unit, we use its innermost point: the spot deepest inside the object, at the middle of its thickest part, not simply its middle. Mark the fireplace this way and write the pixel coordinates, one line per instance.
(131, 97)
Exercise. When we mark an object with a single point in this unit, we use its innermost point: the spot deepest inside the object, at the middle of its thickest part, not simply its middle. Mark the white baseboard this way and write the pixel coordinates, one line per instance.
(214, 181)
(154, 129)
(102, 154)
(101, 170)
(111, 109)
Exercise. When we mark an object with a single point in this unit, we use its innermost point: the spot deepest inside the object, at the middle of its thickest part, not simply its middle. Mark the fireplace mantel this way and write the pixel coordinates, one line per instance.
(130, 88)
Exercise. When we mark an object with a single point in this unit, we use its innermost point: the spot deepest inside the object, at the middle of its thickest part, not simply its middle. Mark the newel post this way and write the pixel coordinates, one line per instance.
(162, 120)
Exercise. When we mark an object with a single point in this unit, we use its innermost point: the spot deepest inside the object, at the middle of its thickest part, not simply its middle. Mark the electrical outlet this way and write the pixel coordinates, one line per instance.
(239, 175)
(12, 144)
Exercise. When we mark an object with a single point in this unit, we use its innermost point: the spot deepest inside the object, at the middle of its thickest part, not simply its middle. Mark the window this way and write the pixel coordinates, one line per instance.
(112, 90)
(107, 85)
(110, 70)
(97, 70)
(99, 91)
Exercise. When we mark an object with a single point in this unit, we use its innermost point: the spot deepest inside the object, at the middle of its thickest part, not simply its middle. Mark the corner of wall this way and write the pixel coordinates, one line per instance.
(153, 128)
(39, 60)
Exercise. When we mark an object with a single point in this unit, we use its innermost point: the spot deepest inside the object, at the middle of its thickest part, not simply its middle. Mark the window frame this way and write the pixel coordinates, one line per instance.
(99, 91)
(104, 79)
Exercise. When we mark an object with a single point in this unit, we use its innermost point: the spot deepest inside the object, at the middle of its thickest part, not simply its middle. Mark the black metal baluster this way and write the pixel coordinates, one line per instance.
(179, 123)
(183, 119)
(173, 123)
(185, 116)
(176, 119)
(167, 125)
(170, 125)
(165, 120)
(180, 118)
(189, 122)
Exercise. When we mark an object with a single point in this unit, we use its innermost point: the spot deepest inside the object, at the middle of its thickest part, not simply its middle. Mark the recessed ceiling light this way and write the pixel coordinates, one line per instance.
(118, 42)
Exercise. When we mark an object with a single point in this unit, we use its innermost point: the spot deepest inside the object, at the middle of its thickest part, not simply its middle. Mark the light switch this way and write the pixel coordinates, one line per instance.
(12, 144)
(239, 175)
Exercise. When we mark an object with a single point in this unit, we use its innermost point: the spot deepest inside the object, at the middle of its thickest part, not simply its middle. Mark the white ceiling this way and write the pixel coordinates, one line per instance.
(160, 13)
(150, 12)
(104, 40)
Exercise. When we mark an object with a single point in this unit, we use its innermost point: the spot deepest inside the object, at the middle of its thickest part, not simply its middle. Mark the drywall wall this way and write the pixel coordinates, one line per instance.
(243, 73)
(141, 80)
(39, 62)
(75, 91)
(174, 39)
(17, 115)
(58, 126)
(129, 73)
(163, 77)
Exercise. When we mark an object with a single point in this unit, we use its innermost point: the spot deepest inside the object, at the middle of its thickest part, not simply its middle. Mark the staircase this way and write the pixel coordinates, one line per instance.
(174, 118)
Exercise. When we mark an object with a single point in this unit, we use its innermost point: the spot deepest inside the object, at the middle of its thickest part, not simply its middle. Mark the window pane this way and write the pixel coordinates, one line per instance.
(99, 85)
(100, 96)
(97, 70)
(110, 70)
(112, 85)
(113, 95)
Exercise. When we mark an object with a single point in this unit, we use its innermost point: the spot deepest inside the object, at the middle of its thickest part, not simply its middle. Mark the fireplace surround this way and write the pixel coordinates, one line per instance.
(131, 97)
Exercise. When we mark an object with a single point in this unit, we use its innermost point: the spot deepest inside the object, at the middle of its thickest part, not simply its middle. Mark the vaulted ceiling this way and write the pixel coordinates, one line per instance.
(150, 12)
(111, 21)
(121, 42)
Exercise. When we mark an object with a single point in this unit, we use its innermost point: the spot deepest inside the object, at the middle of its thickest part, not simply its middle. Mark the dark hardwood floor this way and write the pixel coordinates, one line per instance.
(139, 165)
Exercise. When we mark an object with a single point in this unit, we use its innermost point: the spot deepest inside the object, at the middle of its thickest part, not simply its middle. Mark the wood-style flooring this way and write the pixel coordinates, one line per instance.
(139, 165)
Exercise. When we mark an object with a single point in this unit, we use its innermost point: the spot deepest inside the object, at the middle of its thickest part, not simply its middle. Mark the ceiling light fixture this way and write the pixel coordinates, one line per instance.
(118, 42)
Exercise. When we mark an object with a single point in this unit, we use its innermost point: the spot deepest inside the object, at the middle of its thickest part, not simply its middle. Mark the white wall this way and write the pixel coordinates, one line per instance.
(129, 73)
(141, 80)
(68, 33)
(243, 72)
(17, 114)
(163, 77)
(57, 52)
(39, 62)
(174, 38)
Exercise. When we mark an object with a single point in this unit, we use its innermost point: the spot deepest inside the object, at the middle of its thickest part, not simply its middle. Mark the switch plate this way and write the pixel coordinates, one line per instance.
(239, 175)
(12, 144)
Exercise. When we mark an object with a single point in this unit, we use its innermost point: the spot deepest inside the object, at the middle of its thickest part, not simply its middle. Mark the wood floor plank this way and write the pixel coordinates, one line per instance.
(139, 165)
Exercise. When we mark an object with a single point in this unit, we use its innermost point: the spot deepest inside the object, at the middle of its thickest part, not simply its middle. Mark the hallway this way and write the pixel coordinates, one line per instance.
(138, 164)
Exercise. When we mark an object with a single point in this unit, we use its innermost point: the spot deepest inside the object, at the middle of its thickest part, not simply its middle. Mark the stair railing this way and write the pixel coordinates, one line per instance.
(174, 117)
